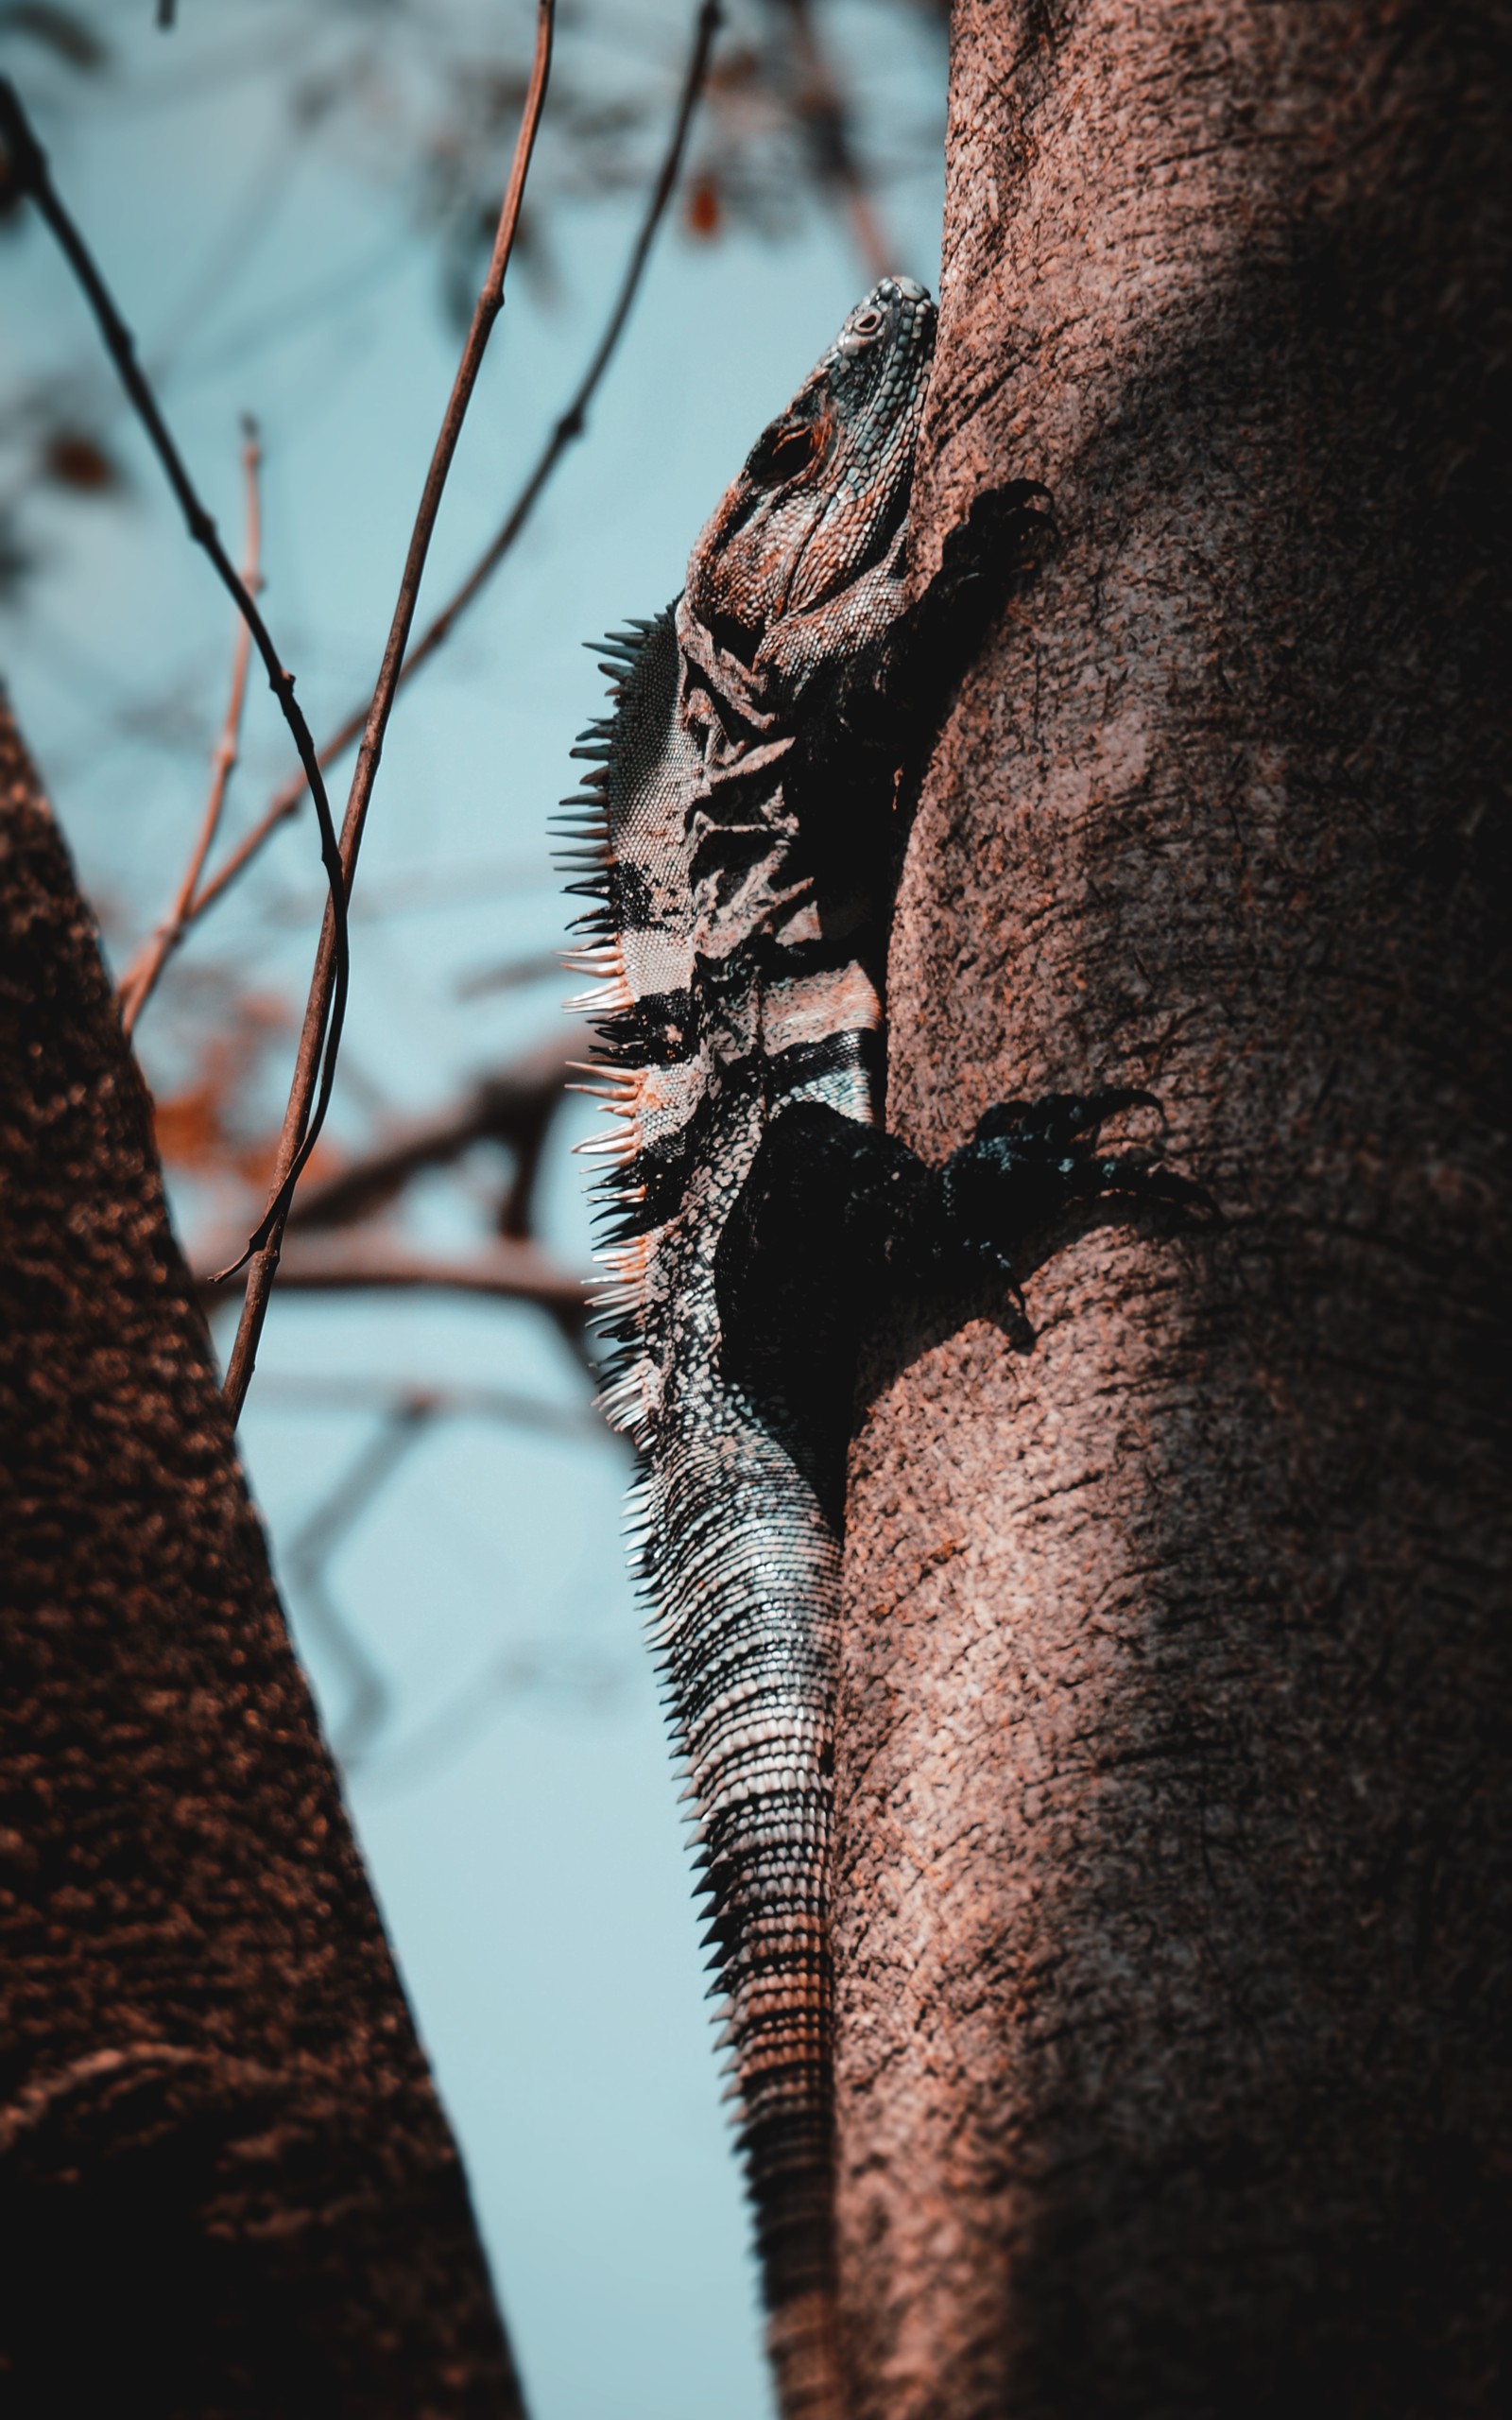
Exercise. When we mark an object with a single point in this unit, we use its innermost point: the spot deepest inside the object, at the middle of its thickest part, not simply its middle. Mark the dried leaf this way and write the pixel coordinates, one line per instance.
(705, 211)
(76, 459)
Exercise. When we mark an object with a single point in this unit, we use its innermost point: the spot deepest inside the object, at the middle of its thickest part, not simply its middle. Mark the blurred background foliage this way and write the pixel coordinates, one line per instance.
(294, 201)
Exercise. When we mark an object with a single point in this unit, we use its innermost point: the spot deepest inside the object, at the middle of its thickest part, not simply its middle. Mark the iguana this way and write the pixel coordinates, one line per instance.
(735, 838)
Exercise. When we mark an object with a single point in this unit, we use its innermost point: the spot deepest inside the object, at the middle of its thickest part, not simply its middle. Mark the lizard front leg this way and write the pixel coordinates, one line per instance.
(834, 1216)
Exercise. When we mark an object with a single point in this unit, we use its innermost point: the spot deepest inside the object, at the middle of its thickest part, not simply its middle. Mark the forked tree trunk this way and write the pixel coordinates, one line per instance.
(226, 2188)
(1175, 1795)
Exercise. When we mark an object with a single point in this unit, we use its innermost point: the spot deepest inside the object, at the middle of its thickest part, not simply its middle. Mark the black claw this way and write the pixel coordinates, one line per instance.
(1004, 1119)
(995, 511)
(1056, 1119)
(1030, 1160)
(1129, 1172)
(1108, 1105)
(1179, 1192)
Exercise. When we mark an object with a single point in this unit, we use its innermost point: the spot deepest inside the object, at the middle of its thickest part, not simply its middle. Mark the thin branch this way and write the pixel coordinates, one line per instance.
(569, 426)
(310, 1551)
(509, 975)
(819, 106)
(29, 172)
(574, 1422)
(505, 1270)
(324, 1252)
(423, 890)
(315, 1068)
(403, 1421)
(513, 1107)
(139, 980)
(591, 1676)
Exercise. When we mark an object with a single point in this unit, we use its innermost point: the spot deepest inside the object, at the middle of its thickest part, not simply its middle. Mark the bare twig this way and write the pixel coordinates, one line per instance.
(310, 1551)
(423, 889)
(403, 1419)
(576, 1423)
(505, 1270)
(327, 1250)
(513, 1107)
(29, 174)
(819, 107)
(569, 426)
(404, 1414)
(594, 1679)
(315, 1069)
(139, 980)
(509, 975)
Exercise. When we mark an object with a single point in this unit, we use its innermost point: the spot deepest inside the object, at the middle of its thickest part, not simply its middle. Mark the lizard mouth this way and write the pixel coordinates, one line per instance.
(882, 529)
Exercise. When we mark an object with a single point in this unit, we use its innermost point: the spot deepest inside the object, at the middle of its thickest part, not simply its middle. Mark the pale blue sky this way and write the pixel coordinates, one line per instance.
(522, 1837)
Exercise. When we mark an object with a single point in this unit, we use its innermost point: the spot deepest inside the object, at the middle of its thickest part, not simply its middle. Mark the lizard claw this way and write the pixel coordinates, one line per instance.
(1030, 1160)
(1059, 1119)
(992, 513)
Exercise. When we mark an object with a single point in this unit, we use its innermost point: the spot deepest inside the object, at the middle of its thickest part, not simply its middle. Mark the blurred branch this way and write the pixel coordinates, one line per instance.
(27, 165)
(326, 1249)
(505, 1270)
(819, 107)
(569, 426)
(313, 1078)
(447, 1401)
(513, 1108)
(404, 1421)
(509, 975)
(422, 890)
(591, 1676)
(140, 980)
(310, 1551)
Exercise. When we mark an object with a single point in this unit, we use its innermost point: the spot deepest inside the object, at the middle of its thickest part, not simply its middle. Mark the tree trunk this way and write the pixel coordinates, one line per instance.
(226, 2184)
(1174, 1895)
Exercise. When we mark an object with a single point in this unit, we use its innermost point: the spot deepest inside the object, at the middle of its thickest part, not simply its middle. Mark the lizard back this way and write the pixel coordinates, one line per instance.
(733, 936)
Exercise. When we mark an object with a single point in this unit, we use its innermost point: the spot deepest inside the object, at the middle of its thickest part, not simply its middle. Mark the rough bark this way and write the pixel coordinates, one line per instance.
(226, 2185)
(1175, 1801)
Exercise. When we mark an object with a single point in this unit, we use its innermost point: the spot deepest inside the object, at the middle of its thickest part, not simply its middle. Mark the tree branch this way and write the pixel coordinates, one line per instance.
(574, 1422)
(819, 107)
(310, 1551)
(512, 1107)
(507, 1270)
(315, 1069)
(29, 174)
(508, 974)
(139, 980)
(403, 1419)
(589, 1675)
(571, 424)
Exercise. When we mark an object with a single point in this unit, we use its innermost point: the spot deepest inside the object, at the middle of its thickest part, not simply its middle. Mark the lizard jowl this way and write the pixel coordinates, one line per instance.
(735, 836)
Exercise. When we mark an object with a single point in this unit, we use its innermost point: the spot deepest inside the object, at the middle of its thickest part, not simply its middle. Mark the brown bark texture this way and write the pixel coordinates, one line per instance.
(1175, 1803)
(226, 2184)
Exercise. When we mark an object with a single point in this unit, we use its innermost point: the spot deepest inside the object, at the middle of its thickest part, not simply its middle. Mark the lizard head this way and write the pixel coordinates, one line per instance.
(825, 488)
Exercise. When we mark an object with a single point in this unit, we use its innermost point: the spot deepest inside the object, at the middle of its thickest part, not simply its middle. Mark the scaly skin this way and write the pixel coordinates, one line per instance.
(740, 954)
(734, 837)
